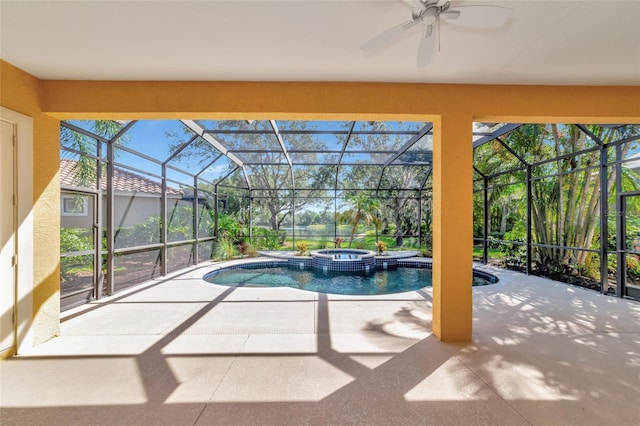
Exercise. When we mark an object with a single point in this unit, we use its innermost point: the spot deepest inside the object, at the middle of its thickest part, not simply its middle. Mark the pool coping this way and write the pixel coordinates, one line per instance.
(409, 262)
(400, 254)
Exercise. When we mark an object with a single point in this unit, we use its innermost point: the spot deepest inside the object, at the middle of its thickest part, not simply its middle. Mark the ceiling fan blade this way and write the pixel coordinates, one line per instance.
(476, 16)
(388, 36)
(426, 47)
(450, 14)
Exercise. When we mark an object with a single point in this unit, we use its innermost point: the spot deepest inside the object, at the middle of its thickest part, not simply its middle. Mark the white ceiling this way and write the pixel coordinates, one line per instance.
(544, 42)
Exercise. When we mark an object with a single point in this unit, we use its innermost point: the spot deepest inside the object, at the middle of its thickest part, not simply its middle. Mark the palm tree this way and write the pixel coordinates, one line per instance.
(566, 192)
(364, 210)
(85, 168)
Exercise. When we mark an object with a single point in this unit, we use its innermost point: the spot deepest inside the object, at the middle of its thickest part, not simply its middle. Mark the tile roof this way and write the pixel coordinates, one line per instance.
(123, 181)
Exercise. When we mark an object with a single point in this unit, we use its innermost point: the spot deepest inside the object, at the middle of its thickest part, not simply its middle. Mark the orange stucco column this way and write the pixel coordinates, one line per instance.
(452, 227)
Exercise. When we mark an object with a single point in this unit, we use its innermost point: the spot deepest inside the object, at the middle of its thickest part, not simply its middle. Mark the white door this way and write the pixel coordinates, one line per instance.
(7, 237)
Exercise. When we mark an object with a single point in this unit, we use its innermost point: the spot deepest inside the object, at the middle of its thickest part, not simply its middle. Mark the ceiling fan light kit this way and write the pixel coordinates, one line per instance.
(428, 15)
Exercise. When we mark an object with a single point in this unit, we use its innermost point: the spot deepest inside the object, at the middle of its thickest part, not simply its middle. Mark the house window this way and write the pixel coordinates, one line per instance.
(74, 205)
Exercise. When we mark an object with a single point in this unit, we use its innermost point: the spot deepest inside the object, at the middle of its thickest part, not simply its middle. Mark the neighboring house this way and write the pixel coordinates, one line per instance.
(135, 198)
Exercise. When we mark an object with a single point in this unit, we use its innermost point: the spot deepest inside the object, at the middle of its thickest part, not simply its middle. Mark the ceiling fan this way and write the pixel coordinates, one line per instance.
(426, 14)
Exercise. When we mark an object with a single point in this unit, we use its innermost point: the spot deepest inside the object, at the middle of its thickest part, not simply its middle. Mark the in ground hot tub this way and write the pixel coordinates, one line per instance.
(344, 260)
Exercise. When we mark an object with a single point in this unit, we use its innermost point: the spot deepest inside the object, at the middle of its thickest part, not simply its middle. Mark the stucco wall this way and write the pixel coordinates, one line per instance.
(21, 92)
(442, 104)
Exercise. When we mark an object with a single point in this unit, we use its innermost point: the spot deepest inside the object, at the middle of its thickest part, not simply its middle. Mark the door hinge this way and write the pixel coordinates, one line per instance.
(14, 317)
(14, 197)
(14, 260)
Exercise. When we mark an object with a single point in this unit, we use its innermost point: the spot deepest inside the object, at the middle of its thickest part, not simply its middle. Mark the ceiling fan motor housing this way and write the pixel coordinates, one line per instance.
(429, 13)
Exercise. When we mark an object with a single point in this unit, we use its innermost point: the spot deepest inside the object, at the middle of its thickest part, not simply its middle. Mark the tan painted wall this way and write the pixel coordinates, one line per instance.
(456, 104)
(20, 92)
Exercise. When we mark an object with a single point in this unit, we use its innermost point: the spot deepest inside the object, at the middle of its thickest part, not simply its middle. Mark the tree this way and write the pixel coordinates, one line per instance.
(268, 173)
(85, 170)
(363, 210)
(402, 204)
(276, 195)
(566, 190)
(506, 194)
(399, 181)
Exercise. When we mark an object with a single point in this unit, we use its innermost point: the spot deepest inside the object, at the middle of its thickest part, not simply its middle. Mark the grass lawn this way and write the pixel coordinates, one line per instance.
(366, 241)
(492, 253)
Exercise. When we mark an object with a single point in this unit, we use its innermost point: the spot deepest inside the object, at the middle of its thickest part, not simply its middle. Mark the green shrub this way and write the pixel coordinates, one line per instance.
(323, 245)
(180, 223)
(517, 233)
(142, 233)
(75, 239)
(590, 268)
(72, 240)
(426, 252)
(515, 254)
(250, 250)
(225, 249)
(633, 266)
(229, 227)
(268, 239)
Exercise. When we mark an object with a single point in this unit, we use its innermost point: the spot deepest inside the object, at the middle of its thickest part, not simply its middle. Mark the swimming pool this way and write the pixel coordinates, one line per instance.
(381, 282)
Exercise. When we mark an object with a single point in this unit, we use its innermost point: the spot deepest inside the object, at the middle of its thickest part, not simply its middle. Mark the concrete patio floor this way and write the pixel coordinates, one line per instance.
(179, 351)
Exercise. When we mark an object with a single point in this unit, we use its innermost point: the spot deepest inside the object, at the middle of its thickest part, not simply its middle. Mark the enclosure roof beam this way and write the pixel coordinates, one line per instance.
(565, 156)
(92, 135)
(326, 163)
(227, 175)
(139, 154)
(426, 129)
(180, 149)
(197, 129)
(274, 126)
(508, 148)
(219, 156)
(344, 147)
(590, 134)
(315, 151)
(426, 178)
(625, 140)
(123, 131)
(83, 131)
(380, 178)
(280, 141)
(307, 132)
(497, 133)
(246, 177)
(178, 169)
(506, 172)
(346, 142)
(479, 172)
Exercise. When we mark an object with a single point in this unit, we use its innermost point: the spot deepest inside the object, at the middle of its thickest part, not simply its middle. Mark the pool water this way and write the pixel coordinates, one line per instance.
(381, 282)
